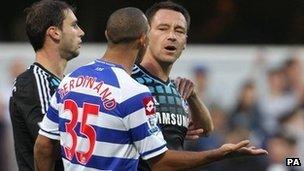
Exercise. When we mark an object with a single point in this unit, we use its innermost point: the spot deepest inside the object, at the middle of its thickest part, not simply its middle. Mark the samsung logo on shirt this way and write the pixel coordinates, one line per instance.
(172, 119)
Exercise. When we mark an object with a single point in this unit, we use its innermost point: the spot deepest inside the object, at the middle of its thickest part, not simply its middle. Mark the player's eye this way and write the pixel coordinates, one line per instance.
(180, 31)
(75, 25)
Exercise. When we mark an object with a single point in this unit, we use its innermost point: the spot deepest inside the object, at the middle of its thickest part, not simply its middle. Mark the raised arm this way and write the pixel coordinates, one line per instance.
(201, 119)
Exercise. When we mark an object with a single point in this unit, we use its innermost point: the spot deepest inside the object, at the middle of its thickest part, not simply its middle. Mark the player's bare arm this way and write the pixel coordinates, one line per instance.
(177, 160)
(45, 153)
(201, 121)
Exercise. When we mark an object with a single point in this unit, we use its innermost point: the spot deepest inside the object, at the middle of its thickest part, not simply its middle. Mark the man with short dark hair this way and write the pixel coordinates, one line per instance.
(180, 113)
(52, 29)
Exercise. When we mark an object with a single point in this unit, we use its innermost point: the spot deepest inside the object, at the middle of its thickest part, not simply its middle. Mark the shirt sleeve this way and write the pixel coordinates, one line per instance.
(25, 106)
(49, 126)
(141, 122)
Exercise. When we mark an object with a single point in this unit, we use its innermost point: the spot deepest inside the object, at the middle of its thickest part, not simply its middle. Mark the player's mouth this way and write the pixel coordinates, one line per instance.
(170, 48)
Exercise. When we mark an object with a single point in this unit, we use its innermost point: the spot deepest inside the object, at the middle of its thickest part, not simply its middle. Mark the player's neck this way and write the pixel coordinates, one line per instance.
(50, 59)
(122, 55)
(155, 68)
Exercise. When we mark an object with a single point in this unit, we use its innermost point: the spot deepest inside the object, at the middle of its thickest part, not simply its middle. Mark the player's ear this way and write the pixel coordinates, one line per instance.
(54, 32)
(143, 40)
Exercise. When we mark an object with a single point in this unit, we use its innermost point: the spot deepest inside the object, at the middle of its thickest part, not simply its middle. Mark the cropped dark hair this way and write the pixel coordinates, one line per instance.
(167, 5)
(126, 25)
(40, 16)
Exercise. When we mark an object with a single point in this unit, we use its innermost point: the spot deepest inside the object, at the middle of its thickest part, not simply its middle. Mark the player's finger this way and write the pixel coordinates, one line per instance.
(241, 144)
(259, 151)
(186, 89)
(182, 87)
(192, 137)
(190, 90)
(196, 132)
(177, 82)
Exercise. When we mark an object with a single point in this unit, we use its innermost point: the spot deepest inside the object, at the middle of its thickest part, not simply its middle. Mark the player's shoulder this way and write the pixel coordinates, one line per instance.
(128, 83)
(33, 74)
(81, 70)
(27, 78)
(26, 75)
(25, 84)
(125, 79)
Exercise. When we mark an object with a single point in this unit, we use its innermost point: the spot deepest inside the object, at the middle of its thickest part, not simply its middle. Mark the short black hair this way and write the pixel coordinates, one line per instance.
(40, 16)
(150, 12)
(126, 25)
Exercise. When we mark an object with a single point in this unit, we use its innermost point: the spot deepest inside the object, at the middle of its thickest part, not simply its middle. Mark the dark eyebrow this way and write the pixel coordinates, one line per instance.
(162, 24)
(180, 27)
(176, 27)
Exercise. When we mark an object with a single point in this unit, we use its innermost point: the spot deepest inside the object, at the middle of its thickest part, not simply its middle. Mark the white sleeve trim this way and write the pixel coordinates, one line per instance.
(51, 136)
(156, 153)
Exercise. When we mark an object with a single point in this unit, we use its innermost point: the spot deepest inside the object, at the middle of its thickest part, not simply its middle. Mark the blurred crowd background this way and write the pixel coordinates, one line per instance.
(268, 109)
(245, 57)
(212, 21)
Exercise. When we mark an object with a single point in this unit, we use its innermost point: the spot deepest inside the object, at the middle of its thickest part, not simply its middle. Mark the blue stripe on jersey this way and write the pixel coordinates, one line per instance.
(52, 133)
(102, 134)
(52, 114)
(112, 136)
(133, 104)
(107, 163)
(154, 150)
(140, 132)
(107, 74)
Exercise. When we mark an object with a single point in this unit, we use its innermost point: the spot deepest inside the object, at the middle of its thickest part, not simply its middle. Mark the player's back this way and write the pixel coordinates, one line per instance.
(94, 106)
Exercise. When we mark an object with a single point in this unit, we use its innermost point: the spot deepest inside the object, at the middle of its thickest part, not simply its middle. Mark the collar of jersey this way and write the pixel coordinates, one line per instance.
(153, 77)
(109, 63)
(45, 70)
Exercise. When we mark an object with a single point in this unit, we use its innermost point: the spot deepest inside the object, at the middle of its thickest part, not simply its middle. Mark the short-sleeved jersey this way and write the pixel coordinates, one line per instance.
(29, 102)
(171, 110)
(104, 119)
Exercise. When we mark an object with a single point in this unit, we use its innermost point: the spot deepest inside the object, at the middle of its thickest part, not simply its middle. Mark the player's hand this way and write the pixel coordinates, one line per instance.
(194, 132)
(185, 87)
(240, 149)
(251, 151)
(229, 148)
